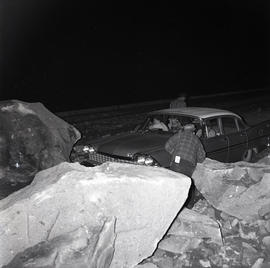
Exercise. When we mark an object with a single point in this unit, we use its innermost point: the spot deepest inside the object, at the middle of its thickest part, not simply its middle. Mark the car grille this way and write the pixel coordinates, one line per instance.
(98, 158)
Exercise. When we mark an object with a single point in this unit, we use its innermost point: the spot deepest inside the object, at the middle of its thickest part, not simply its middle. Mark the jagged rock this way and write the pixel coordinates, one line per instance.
(179, 244)
(166, 262)
(144, 201)
(259, 264)
(84, 248)
(190, 223)
(267, 226)
(266, 242)
(250, 255)
(227, 188)
(204, 208)
(264, 211)
(31, 139)
(188, 230)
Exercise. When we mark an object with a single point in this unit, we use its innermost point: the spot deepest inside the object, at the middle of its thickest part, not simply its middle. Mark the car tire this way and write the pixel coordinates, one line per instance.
(247, 156)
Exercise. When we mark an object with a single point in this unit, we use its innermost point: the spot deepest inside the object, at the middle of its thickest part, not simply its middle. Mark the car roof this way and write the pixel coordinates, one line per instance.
(199, 112)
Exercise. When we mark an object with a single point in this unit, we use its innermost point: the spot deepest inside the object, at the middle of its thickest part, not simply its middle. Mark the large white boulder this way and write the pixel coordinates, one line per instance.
(143, 200)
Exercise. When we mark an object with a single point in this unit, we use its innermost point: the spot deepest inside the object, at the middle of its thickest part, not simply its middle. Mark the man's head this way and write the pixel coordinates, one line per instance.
(189, 127)
(174, 123)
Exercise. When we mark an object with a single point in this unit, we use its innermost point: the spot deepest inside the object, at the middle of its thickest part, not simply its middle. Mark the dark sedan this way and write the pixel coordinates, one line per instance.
(225, 136)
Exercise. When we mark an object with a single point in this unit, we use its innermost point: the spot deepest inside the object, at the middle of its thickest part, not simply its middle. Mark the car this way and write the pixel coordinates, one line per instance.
(225, 136)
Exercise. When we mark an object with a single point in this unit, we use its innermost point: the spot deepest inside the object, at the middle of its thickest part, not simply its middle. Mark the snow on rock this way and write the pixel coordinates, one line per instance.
(143, 200)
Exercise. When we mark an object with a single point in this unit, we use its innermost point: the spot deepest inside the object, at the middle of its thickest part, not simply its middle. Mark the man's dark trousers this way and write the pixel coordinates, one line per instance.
(187, 168)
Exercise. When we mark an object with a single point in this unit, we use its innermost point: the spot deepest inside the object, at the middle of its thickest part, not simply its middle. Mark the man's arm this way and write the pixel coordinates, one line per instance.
(201, 153)
(171, 143)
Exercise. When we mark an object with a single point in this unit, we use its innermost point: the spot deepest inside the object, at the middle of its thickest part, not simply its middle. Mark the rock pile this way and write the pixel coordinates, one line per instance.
(113, 215)
(121, 215)
(239, 189)
(228, 227)
(44, 226)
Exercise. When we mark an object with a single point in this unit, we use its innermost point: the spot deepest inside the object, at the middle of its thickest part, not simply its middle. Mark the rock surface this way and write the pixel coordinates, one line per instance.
(243, 244)
(228, 227)
(84, 248)
(31, 139)
(190, 223)
(240, 189)
(143, 200)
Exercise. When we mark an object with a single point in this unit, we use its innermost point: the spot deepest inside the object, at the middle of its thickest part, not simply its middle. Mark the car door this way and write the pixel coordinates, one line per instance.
(237, 137)
(215, 143)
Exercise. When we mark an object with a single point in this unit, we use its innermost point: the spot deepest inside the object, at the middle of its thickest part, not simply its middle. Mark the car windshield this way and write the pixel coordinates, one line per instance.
(167, 123)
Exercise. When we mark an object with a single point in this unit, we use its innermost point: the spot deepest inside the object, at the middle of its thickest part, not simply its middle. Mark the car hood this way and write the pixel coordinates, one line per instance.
(128, 144)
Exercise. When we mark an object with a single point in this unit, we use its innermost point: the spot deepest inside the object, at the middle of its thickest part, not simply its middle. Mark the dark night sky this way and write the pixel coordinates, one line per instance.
(81, 54)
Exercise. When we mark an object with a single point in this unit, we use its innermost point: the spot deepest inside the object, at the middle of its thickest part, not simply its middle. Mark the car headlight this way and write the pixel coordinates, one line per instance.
(144, 159)
(88, 149)
(83, 149)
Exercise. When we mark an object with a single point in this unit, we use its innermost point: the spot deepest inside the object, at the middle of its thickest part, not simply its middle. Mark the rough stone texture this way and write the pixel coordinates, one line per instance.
(188, 230)
(83, 248)
(32, 139)
(239, 189)
(146, 265)
(179, 244)
(242, 244)
(190, 223)
(144, 201)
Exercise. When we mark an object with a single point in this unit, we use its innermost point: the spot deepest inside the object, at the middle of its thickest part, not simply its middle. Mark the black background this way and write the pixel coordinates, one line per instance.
(81, 54)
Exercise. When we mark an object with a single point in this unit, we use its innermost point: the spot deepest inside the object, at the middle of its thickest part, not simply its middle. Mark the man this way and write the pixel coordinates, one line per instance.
(174, 124)
(179, 102)
(186, 150)
(157, 124)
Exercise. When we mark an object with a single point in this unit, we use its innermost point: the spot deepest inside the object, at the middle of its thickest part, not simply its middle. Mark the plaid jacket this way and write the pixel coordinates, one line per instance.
(186, 145)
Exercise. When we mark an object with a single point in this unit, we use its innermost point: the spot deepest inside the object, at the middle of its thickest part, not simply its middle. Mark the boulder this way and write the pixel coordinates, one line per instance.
(143, 200)
(239, 189)
(31, 139)
(190, 223)
(188, 230)
(84, 248)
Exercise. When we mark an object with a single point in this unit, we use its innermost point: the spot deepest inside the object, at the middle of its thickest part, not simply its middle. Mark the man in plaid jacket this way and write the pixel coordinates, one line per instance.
(186, 150)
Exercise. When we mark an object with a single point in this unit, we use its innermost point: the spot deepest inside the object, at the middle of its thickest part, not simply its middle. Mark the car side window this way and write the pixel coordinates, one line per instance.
(229, 125)
(241, 125)
(212, 127)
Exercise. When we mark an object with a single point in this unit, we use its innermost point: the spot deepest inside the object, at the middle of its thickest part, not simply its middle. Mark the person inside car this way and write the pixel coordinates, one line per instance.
(174, 124)
(157, 124)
